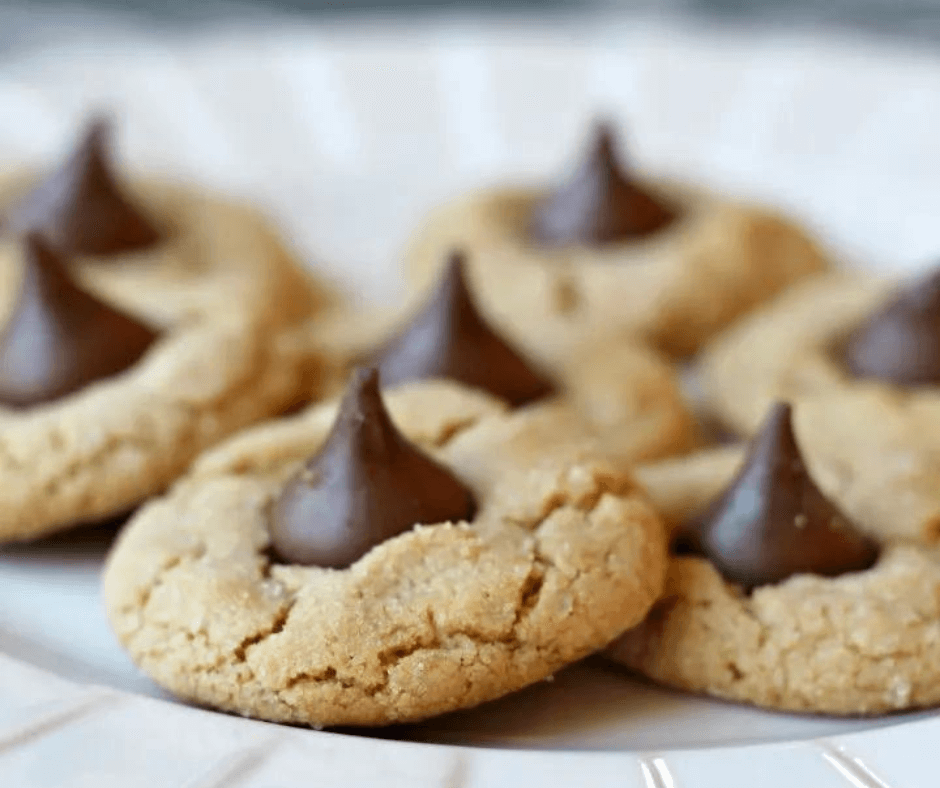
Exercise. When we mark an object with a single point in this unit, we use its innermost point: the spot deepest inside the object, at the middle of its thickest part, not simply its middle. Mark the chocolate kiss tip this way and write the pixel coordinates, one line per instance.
(449, 338)
(773, 522)
(80, 208)
(604, 142)
(59, 338)
(778, 428)
(362, 405)
(364, 381)
(366, 484)
(900, 342)
(454, 278)
(598, 203)
(95, 142)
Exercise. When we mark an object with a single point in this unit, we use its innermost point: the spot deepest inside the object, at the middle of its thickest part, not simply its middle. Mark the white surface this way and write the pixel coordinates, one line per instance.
(348, 136)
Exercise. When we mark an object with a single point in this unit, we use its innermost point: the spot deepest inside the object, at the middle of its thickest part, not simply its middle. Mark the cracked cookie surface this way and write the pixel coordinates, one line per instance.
(863, 643)
(872, 445)
(676, 288)
(226, 299)
(563, 554)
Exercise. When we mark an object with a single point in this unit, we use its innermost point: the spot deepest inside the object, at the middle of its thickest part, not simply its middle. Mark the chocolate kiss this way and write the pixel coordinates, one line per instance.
(772, 521)
(80, 207)
(448, 338)
(367, 484)
(598, 204)
(60, 338)
(900, 343)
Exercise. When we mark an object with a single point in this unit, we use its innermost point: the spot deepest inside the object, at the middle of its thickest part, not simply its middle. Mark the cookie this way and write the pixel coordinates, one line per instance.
(871, 442)
(127, 348)
(202, 256)
(610, 250)
(558, 555)
(621, 392)
(679, 485)
(862, 641)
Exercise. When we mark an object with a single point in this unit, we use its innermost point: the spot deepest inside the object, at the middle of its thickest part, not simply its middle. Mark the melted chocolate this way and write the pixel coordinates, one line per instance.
(448, 338)
(772, 521)
(80, 208)
(900, 343)
(367, 484)
(60, 338)
(598, 204)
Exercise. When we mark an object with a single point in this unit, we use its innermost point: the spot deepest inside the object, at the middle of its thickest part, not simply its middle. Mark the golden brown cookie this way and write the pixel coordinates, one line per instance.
(865, 642)
(620, 392)
(788, 350)
(871, 443)
(562, 554)
(680, 485)
(675, 281)
(224, 299)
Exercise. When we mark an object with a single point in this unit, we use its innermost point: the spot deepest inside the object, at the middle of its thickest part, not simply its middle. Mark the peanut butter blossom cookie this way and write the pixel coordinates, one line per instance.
(775, 598)
(621, 395)
(357, 565)
(609, 250)
(139, 323)
(861, 357)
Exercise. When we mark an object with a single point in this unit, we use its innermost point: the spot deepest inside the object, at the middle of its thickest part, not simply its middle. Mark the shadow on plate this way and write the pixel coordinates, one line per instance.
(84, 542)
(596, 705)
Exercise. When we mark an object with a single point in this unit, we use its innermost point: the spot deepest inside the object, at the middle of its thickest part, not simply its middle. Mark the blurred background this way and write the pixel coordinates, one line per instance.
(348, 119)
(25, 23)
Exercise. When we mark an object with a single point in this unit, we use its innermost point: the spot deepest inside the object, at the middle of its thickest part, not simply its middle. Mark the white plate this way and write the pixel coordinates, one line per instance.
(348, 135)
